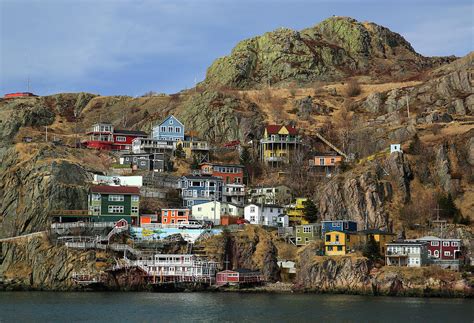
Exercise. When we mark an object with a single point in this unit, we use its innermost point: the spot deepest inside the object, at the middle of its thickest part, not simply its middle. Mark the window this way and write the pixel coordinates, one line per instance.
(332, 161)
(252, 209)
(135, 198)
(178, 130)
(170, 129)
(163, 129)
(116, 198)
(252, 218)
(436, 253)
(337, 238)
(143, 163)
(329, 248)
(328, 237)
(445, 243)
(96, 209)
(307, 229)
(447, 253)
(435, 243)
(135, 209)
(321, 161)
(171, 121)
(121, 138)
(199, 209)
(115, 209)
(95, 197)
(454, 244)
(339, 248)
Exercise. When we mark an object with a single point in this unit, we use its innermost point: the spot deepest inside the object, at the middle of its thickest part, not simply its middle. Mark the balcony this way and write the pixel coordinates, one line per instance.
(233, 193)
(280, 139)
(276, 159)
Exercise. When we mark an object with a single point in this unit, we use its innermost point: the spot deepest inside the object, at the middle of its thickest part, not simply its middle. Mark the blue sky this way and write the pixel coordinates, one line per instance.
(131, 47)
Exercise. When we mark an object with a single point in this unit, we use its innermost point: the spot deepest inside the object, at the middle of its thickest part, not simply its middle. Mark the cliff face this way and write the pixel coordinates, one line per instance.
(360, 276)
(335, 48)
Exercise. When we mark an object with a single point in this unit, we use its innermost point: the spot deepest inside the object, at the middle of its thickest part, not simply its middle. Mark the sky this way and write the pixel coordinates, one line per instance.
(125, 47)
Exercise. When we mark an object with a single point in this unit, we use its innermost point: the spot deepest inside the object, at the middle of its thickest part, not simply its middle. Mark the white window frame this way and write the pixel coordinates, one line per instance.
(121, 138)
(116, 209)
(135, 198)
(116, 198)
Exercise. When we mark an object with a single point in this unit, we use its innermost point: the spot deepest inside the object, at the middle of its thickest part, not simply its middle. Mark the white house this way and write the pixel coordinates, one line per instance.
(264, 215)
(395, 148)
(212, 211)
(406, 254)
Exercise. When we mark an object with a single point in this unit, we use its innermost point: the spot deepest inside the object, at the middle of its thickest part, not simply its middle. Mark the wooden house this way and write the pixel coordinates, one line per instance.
(239, 277)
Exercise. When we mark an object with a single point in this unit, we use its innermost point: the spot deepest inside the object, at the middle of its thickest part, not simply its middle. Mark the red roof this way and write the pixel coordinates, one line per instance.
(273, 129)
(115, 189)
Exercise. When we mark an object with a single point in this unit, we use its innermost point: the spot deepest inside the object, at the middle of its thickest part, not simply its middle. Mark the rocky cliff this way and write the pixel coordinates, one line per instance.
(335, 48)
(358, 275)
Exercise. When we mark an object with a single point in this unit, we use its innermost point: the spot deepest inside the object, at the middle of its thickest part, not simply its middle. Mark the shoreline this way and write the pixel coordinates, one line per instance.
(272, 288)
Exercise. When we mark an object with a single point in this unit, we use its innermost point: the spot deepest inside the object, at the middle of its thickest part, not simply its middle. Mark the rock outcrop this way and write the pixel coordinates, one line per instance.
(335, 48)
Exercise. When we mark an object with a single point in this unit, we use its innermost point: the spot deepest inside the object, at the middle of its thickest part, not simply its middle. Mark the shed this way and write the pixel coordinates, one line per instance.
(239, 277)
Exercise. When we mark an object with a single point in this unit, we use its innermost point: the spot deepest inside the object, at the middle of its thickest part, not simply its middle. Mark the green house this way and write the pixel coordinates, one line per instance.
(307, 233)
(113, 203)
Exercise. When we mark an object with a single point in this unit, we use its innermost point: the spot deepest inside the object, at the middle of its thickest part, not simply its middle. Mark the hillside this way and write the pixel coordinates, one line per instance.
(280, 77)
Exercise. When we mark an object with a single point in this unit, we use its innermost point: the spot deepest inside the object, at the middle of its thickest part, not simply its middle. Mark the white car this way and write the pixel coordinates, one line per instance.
(190, 225)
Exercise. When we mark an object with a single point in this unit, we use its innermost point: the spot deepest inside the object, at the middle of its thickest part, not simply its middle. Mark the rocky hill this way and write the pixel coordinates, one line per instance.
(336, 48)
(266, 79)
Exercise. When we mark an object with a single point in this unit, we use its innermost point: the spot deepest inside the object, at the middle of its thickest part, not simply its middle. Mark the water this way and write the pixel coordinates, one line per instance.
(227, 307)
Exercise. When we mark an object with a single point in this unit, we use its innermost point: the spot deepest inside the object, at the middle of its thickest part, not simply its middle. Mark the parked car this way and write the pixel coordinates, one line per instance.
(190, 225)
(242, 221)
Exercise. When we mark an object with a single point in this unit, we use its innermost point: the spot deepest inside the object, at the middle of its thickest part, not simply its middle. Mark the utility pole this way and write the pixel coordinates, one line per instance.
(46, 133)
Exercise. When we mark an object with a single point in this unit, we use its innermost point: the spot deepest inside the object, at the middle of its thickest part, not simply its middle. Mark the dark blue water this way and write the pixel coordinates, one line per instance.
(227, 307)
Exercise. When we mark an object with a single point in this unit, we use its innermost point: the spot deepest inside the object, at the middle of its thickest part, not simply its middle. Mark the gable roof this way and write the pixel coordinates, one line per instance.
(173, 117)
(105, 189)
(130, 132)
(273, 129)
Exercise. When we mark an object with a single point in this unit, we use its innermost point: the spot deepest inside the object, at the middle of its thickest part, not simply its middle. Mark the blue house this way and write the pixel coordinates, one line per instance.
(198, 189)
(171, 129)
(338, 225)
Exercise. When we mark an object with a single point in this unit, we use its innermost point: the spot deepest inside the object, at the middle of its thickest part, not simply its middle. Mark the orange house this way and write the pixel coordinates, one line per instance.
(230, 173)
(325, 160)
(173, 216)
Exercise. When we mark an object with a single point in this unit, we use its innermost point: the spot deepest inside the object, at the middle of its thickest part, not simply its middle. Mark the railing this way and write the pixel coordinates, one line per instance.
(85, 245)
(233, 193)
(69, 212)
(279, 139)
(70, 225)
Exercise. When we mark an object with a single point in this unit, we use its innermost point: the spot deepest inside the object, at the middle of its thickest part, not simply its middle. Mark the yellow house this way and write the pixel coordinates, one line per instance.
(337, 243)
(278, 144)
(381, 237)
(296, 211)
(193, 147)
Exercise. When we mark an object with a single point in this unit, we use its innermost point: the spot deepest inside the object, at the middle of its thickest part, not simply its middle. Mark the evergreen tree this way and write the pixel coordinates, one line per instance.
(179, 152)
(416, 146)
(246, 160)
(371, 249)
(195, 164)
(310, 211)
(448, 208)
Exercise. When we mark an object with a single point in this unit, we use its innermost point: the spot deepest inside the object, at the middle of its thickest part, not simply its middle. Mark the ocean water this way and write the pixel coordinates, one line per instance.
(227, 307)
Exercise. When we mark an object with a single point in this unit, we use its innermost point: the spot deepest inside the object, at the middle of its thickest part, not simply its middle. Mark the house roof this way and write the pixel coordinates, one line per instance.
(338, 221)
(375, 231)
(115, 189)
(274, 128)
(412, 242)
(130, 132)
(222, 164)
(266, 205)
(240, 271)
(203, 177)
(430, 238)
(174, 118)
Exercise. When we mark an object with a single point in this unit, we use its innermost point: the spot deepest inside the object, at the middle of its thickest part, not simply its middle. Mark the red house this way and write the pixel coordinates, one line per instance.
(174, 216)
(18, 95)
(239, 277)
(104, 136)
(443, 249)
(230, 174)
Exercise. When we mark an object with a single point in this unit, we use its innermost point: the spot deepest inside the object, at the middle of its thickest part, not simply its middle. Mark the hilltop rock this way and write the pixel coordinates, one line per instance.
(335, 48)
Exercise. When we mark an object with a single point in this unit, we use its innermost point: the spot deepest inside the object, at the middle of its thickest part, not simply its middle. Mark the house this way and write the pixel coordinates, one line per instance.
(174, 216)
(295, 211)
(279, 194)
(105, 136)
(239, 277)
(170, 129)
(278, 145)
(157, 162)
(148, 219)
(118, 180)
(152, 146)
(19, 95)
(113, 203)
(234, 193)
(194, 148)
(197, 189)
(443, 252)
(338, 225)
(230, 173)
(307, 233)
(395, 148)
(337, 243)
(263, 214)
(325, 163)
(215, 210)
(406, 253)
(380, 236)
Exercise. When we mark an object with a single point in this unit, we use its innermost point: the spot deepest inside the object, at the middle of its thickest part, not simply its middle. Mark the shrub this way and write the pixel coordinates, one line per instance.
(352, 88)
